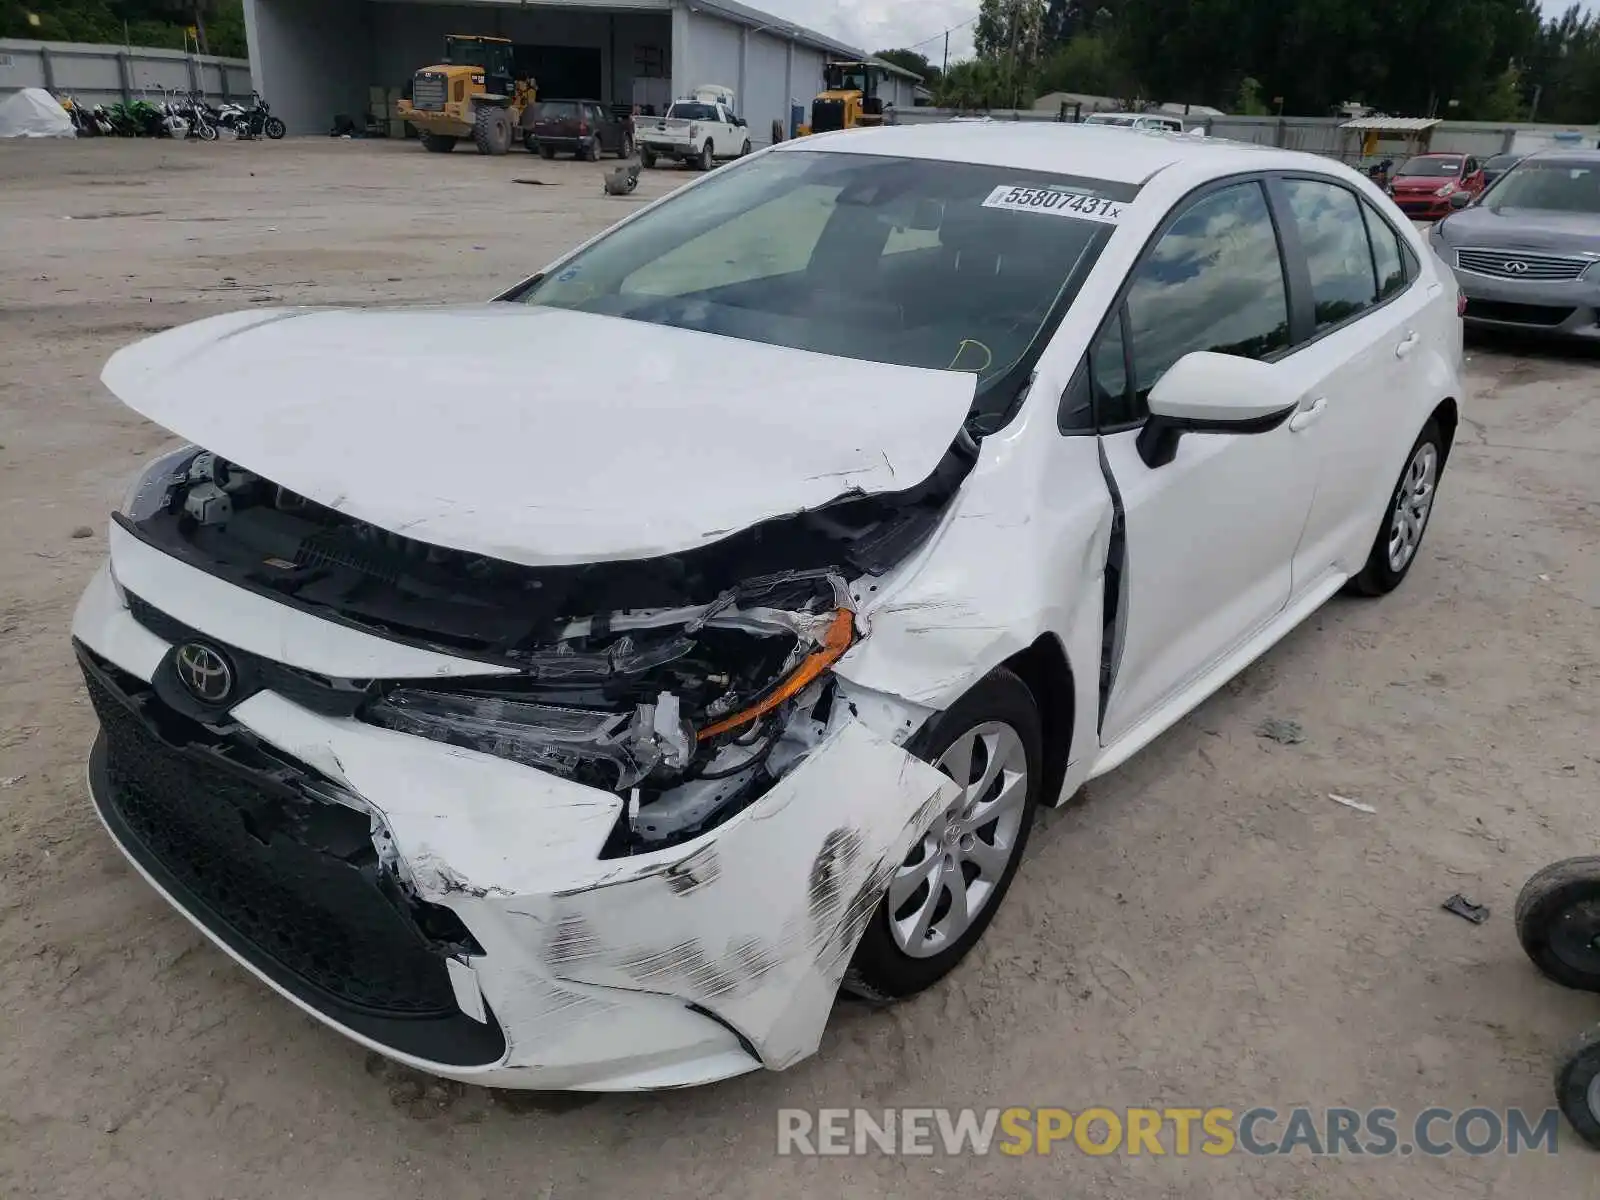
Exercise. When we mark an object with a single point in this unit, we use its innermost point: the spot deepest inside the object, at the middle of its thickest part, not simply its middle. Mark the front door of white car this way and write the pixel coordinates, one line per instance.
(1210, 535)
(727, 134)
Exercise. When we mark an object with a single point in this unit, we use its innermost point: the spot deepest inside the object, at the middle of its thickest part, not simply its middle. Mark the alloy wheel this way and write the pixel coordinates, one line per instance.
(952, 872)
(1413, 503)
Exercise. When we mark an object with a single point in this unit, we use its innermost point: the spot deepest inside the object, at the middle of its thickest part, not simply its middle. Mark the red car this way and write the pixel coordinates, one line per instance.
(1422, 187)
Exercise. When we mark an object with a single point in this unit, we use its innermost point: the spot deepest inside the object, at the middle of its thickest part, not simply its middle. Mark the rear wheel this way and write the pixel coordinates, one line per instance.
(1405, 520)
(706, 160)
(647, 158)
(547, 151)
(591, 152)
(491, 131)
(944, 894)
(438, 143)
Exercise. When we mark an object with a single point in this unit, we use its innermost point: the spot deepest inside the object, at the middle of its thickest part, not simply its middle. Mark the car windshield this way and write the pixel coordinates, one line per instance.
(1502, 161)
(950, 266)
(1552, 186)
(1443, 167)
(693, 112)
(1100, 119)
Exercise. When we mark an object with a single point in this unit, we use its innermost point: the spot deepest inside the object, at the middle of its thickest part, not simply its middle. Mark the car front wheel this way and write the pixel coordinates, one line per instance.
(1405, 519)
(943, 895)
(707, 158)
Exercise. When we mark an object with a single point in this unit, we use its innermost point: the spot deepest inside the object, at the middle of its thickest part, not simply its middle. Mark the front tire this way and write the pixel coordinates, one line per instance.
(625, 146)
(1394, 550)
(1558, 922)
(942, 897)
(438, 143)
(744, 149)
(491, 131)
(707, 158)
(276, 129)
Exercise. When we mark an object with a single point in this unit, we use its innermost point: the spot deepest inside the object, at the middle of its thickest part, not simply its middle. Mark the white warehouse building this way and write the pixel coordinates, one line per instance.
(315, 59)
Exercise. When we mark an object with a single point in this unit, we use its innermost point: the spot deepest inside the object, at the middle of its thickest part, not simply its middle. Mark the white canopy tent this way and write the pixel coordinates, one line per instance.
(34, 113)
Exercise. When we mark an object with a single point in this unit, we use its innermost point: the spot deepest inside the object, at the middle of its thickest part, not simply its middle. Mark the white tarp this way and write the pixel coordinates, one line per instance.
(34, 113)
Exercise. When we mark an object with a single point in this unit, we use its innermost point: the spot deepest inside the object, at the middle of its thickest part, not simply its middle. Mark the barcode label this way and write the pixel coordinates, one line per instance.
(1056, 201)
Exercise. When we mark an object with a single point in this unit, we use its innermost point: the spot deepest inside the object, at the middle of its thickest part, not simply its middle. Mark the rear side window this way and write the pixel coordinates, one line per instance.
(1338, 254)
(557, 110)
(1213, 282)
(1386, 253)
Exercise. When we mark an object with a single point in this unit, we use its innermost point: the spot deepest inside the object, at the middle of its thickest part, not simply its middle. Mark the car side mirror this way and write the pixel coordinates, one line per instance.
(1460, 200)
(1206, 392)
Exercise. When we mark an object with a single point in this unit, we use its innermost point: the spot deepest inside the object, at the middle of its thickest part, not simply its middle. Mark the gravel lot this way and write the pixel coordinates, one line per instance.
(1204, 928)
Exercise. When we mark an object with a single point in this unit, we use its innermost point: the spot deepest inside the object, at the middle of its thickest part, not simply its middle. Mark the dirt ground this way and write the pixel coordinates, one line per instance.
(1205, 928)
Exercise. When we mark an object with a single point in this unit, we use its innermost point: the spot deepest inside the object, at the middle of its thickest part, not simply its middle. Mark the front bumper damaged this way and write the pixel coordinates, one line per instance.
(564, 969)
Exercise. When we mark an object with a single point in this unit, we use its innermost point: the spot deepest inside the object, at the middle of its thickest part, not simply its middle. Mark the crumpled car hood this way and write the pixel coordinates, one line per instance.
(536, 435)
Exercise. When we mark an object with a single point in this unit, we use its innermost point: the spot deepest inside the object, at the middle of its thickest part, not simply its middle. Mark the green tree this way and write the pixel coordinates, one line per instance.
(1250, 103)
(1089, 63)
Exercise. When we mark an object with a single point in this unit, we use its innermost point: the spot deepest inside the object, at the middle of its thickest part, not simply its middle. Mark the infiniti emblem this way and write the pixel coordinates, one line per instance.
(204, 672)
(1515, 266)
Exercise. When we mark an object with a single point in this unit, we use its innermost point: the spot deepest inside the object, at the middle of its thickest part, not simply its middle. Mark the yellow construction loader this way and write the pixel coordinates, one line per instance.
(470, 94)
(851, 99)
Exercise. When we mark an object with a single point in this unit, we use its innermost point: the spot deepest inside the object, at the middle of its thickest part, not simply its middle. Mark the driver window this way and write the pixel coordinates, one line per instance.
(1213, 282)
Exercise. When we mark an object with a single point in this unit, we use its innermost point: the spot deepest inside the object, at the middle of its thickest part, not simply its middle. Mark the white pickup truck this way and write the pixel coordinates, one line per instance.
(699, 130)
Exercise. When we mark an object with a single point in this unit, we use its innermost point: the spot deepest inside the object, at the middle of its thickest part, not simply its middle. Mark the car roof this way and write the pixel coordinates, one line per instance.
(1105, 152)
(1579, 156)
(1441, 154)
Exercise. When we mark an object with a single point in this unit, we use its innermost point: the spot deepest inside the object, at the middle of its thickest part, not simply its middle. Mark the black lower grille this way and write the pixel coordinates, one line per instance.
(827, 115)
(292, 882)
(1518, 314)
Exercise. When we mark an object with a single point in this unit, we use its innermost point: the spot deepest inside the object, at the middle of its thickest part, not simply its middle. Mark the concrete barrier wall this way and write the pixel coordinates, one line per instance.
(106, 74)
(1322, 135)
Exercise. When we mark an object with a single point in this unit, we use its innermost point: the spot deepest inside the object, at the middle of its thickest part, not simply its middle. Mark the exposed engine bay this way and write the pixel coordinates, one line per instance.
(686, 684)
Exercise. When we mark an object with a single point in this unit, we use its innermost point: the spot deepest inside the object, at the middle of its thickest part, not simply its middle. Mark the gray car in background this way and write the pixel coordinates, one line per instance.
(1526, 253)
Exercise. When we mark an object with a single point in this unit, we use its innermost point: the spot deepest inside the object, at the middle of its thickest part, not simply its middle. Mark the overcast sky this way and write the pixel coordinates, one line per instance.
(881, 24)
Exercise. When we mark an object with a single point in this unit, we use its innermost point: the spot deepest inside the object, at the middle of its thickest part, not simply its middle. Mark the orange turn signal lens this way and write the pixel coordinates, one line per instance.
(834, 644)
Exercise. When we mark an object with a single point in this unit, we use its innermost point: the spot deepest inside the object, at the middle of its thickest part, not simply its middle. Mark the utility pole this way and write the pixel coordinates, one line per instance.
(945, 70)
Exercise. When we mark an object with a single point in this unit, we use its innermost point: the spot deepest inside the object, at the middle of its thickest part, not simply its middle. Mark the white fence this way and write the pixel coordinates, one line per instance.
(1322, 135)
(106, 74)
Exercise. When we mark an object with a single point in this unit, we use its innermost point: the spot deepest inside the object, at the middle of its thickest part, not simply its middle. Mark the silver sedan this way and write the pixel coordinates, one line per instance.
(1526, 253)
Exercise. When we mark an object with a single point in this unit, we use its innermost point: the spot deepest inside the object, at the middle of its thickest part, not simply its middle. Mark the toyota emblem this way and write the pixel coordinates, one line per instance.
(1515, 266)
(205, 673)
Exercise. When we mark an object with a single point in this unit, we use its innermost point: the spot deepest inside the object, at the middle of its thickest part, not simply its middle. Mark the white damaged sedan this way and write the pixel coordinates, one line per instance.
(575, 690)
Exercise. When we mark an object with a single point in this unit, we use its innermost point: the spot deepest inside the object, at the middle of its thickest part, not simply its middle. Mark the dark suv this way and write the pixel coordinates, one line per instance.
(582, 127)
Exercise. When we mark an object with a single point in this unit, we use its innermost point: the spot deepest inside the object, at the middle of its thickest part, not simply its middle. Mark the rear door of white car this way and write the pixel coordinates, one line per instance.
(1210, 536)
(1365, 363)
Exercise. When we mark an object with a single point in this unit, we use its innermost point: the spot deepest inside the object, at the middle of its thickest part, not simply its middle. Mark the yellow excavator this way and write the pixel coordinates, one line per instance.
(470, 94)
(851, 99)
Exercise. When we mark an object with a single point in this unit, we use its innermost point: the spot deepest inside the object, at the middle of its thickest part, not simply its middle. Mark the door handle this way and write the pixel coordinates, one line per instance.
(1307, 417)
(1404, 349)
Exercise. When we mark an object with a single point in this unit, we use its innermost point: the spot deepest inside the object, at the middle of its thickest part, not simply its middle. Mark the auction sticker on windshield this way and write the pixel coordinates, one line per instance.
(1058, 201)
